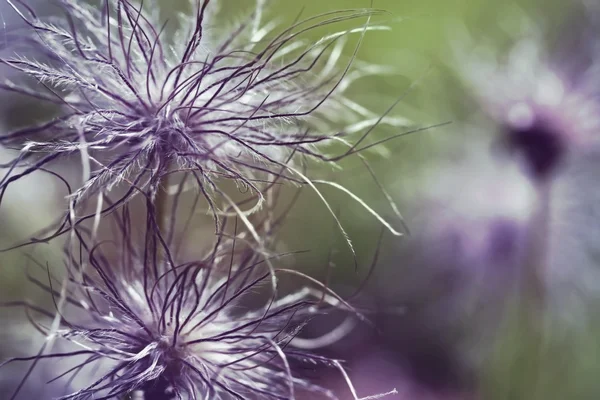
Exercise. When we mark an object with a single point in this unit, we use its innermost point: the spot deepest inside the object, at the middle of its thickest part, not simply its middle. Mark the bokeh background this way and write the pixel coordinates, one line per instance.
(448, 322)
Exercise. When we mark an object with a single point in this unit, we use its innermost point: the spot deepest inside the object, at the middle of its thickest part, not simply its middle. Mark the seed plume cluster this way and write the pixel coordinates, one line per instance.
(137, 104)
(178, 148)
(161, 121)
(136, 321)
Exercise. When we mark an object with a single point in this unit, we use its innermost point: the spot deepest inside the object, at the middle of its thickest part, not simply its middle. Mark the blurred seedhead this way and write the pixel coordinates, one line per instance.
(539, 102)
(457, 273)
(539, 91)
(543, 114)
(475, 211)
(472, 223)
(540, 97)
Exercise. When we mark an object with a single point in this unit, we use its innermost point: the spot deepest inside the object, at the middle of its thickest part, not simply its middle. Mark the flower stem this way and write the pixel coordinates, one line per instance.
(533, 288)
(161, 204)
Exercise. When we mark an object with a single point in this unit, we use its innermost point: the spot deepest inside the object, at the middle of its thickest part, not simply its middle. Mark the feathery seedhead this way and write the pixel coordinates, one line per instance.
(136, 105)
(135, 323)
(481, 226)
(470, 244)
(543, 112)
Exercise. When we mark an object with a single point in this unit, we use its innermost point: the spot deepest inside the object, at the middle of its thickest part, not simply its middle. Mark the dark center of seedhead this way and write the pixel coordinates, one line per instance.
(541, 146)
(159, 389)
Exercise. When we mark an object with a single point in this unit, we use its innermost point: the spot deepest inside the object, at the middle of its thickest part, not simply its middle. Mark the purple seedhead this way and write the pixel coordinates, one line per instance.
(466, 252)
(248, 104)
(129, 322)
(543, 98)
(544, 111)
(482, 225)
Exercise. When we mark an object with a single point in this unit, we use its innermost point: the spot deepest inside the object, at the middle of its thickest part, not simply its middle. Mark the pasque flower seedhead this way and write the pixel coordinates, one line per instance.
(136, 106)
(128, 320)
(543, 111)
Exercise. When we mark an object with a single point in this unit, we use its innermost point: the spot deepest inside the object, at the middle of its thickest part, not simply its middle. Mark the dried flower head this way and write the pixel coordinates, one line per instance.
(544, 110)
(463, 262)
(544, 95)
(479, 229)
(135, 323)
(137, 106)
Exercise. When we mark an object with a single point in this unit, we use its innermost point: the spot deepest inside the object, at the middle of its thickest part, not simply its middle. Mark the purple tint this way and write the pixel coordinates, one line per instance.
(431, 364)
(159, 389)
(503, 240)
(540, 145)
(382, 363)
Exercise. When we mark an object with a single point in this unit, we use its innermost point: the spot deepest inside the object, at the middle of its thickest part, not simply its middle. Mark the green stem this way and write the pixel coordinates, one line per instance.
(533, 288)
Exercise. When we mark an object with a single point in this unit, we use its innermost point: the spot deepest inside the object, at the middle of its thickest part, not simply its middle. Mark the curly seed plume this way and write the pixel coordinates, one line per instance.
(133, 322)
(137, 106)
